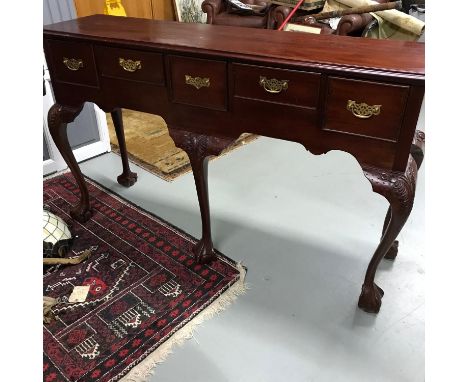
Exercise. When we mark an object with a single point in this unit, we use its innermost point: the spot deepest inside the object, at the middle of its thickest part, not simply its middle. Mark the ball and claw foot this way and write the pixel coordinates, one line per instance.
(204, 252)
(81, 214)
(392, 251)
(127, 179)
(371, 298)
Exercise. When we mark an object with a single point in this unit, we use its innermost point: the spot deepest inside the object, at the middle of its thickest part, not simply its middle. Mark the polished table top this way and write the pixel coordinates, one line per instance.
(401, 58)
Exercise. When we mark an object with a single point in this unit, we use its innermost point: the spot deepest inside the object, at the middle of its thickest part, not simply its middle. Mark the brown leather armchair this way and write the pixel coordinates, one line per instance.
(349, 25)
(217, 13)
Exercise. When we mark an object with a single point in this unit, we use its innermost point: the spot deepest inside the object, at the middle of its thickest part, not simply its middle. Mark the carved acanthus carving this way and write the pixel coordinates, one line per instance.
(419, 138)
(199, 146)
(417, 147)
(62, 114)
(396, 187)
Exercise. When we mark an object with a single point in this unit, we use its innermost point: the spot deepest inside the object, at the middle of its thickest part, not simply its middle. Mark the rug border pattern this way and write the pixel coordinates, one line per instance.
(143, 367)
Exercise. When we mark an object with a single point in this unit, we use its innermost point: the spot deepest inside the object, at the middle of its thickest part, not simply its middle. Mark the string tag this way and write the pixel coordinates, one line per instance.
(79, 294)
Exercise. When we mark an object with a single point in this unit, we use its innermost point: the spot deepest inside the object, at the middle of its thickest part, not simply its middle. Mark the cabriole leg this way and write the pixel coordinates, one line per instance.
(199, 149)
(417, 152)
(398, 188)
(58, 118)
(393, 250)
(127, 178)
(203, 250)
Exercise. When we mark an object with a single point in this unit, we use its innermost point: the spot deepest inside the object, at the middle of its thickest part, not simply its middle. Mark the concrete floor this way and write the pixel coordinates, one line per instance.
(306, 227)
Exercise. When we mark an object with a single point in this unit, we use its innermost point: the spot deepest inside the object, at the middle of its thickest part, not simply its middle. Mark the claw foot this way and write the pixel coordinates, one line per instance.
(127, 179)
(204, 252)
(371, 298)
(392, 251)
(81, 213)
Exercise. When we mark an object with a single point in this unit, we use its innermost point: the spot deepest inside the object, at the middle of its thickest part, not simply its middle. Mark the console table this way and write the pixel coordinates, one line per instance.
(213, 83)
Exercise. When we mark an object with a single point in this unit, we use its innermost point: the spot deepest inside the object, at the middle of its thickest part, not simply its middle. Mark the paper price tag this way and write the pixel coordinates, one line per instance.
(79, 294)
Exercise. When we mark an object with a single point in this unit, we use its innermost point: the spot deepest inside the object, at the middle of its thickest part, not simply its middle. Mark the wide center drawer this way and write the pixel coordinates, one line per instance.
(283, 86)
(198, 82)
(130, 64)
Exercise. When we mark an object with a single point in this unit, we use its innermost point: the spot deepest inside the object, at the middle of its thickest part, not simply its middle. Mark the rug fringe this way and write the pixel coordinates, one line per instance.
(145, 369)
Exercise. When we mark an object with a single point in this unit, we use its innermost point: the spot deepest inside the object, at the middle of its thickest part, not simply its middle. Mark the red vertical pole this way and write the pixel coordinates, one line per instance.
(290, 14)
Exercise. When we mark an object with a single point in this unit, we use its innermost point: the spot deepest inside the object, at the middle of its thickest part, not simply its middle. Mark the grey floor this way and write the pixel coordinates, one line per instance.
(306, 227)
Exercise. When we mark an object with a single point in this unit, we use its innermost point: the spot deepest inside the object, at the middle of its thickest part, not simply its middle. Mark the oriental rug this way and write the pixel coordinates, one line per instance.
(146, 293)
(150, 146)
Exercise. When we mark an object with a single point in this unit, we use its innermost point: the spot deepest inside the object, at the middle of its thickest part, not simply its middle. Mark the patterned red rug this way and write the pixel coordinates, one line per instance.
(146, 291)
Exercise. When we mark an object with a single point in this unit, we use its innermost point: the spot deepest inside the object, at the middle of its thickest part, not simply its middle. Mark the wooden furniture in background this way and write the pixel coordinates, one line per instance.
(212, 83)
(218, 14)
(349, 25)
(148, 9)
(163, 9)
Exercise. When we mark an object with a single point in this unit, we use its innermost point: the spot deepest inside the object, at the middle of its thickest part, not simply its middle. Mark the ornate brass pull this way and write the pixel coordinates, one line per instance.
(198, 82)
(273, 85)
(129, 65)
(72, 63)
(363, 110)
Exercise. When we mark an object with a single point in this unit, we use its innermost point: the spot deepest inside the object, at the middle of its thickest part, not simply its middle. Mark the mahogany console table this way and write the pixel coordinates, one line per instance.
(212, 83)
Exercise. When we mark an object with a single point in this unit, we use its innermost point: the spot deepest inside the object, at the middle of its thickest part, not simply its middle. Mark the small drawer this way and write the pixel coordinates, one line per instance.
(276, 85)
(130, 64)
(72, 62)
(198, 82)
(364, 108)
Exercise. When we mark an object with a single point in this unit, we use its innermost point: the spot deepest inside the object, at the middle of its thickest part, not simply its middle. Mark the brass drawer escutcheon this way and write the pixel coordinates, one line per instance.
(72, 63)
(363, 110)
(273, 85)
(197, 82)
(129, 65)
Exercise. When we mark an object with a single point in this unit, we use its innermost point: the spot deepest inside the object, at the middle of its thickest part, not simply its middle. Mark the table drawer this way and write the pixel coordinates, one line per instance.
(198, 82)
(369, 109)
(130, 64)
(72, 62)
(276, 85)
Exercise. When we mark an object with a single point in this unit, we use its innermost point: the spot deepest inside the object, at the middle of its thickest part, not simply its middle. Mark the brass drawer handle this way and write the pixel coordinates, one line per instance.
(198, 82)
(129, 65)
(363, 110)
(72, 63)
(273, 85)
